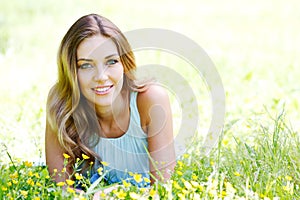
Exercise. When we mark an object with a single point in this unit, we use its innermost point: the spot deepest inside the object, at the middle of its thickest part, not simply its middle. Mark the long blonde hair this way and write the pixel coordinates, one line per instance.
(68, 112)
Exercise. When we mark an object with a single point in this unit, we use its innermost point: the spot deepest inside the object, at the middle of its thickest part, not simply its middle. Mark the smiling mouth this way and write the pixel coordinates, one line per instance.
(102, 90)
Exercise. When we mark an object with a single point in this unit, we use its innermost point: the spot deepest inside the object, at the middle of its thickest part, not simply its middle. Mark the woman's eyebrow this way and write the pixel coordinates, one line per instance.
(84, 59)
(91, 60)
(112, 55)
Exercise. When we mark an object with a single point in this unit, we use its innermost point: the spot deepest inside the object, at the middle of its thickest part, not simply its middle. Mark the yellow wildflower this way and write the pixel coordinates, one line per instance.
(147, 180)
(36, 175)
(63, 170)
(223, 194)
(36, 198)
(225, 141)
(130, 173)
(4, 188)
(15, 182)
(237, 174)
(24, 193)
(9, 184)
(28, 164)
(121, 194)
(138, 178)
(78, 176)
(179, 173)
(180, 163)
(152, 193)
(70, 182)
(143, 190)
(60, 184)
(54, 170)
(30, 173)
(66, 156)
(100, 171)
(38, 184)
(194, 177)
(85, 157)
(30, 182)
(14, 175)
(186, 155)
(288, 178)
(201, 188)
(104, 163)
(176, 185)
(102, 194)
(126, 184)
(71, 190)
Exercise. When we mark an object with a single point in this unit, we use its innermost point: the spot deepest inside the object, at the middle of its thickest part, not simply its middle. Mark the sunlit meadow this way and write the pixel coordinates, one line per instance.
(255, 46)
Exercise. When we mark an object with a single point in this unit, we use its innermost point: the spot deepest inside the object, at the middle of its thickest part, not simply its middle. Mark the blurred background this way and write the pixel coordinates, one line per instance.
(255, 46)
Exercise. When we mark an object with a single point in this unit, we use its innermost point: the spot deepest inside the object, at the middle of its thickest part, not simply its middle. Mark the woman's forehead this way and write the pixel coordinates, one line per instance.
(96, 45)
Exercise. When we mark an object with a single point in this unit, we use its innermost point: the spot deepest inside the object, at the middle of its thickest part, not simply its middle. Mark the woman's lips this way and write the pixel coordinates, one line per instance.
(102, 89)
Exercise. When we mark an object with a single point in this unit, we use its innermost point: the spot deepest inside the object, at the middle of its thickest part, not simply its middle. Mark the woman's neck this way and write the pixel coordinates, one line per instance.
(114, 119)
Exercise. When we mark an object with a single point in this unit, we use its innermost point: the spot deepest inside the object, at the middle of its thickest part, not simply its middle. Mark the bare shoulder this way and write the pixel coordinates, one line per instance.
(155, 95)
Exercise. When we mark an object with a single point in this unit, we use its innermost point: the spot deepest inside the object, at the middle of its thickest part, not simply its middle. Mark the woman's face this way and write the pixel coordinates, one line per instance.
(100, 71)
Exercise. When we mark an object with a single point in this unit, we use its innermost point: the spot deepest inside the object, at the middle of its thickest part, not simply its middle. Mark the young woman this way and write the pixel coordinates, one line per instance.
(97, 108)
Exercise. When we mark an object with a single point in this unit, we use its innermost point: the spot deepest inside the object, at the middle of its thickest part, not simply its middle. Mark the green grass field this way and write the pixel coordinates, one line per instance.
(255, 47)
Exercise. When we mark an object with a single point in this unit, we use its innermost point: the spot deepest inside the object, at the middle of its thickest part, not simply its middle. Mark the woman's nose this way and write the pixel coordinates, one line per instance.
(101, 73)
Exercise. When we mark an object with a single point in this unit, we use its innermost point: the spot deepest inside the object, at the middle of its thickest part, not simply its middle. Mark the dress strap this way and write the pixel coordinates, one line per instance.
(135, 121)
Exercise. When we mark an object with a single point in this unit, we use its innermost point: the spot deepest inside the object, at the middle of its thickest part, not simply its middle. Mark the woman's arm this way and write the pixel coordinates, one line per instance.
(156, 118)
(54, 155)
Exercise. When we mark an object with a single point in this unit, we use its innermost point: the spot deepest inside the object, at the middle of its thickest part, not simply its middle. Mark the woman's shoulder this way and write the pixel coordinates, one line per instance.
(154, 95)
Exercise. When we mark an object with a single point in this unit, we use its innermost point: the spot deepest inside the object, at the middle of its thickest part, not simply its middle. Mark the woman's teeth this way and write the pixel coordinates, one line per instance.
(102, 89)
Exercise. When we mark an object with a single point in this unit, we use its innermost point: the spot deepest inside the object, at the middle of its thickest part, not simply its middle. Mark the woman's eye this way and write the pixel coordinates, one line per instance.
(86, 66)
(112, 62)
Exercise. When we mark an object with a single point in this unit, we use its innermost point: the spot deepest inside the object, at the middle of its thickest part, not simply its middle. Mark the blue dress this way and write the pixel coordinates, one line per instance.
(125, 155)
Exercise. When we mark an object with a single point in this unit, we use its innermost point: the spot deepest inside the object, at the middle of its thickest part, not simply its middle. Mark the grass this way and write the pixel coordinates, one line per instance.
(266, 168)
(254, 46)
